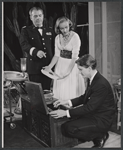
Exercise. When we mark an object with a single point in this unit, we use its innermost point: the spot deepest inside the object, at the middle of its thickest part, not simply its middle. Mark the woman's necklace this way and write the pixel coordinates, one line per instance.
(66, 37)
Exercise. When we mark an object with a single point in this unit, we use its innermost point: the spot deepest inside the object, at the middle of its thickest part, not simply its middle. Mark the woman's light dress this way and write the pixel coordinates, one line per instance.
(73, 85)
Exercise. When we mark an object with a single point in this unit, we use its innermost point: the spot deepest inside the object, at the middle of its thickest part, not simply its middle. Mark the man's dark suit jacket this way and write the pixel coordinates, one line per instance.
(30, 37)
(98, 103)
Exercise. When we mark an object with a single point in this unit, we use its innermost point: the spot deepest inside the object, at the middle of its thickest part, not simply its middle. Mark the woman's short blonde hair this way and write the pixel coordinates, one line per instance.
(60, 20)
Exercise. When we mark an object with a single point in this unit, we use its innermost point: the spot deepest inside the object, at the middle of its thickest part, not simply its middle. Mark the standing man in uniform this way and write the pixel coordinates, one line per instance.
(37, 42)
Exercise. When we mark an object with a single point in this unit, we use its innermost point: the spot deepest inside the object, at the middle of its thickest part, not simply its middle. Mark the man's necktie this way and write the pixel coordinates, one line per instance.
(88, 85)
(39, 29)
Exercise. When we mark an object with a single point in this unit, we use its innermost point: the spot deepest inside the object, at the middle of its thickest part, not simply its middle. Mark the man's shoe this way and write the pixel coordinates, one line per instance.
(81, 141)
(99, 143)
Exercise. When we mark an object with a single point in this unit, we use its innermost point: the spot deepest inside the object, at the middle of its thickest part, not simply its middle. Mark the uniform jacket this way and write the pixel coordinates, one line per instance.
(98, 103)
(30, 37)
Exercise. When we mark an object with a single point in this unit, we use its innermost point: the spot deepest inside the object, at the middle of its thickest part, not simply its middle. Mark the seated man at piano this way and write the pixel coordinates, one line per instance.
(92, 113)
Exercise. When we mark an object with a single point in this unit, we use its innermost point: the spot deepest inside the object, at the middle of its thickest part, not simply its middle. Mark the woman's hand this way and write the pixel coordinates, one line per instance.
(58, 113)
(48, 69)
(60, 102)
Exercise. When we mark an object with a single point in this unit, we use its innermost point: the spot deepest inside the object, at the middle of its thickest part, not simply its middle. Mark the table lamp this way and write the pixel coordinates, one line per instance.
(23, 65)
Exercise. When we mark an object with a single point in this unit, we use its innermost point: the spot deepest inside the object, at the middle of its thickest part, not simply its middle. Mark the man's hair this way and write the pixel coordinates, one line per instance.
(34, 8)
(61, 20)
(87, 61)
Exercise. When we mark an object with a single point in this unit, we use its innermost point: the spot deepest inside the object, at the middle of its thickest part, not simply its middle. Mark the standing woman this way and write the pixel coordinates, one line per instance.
(67, 47)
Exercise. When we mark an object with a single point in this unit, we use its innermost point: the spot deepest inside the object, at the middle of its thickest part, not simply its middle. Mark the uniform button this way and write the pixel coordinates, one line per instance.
(42, 38)
(44, 47)
(43, 43)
